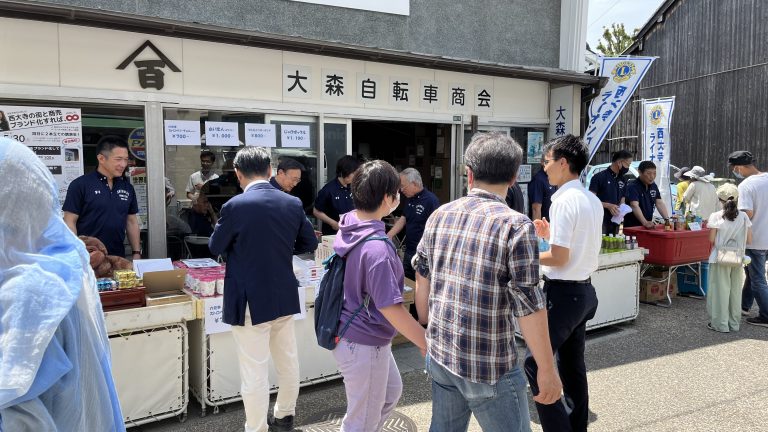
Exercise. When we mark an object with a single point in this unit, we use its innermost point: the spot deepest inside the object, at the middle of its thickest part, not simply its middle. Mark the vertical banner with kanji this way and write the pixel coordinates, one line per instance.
(55, 135)
(624, 75)
(657, 148)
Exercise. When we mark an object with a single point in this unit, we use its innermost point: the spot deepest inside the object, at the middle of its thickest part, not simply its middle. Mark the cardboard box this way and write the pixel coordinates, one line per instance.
(653, 286)
(165, 287)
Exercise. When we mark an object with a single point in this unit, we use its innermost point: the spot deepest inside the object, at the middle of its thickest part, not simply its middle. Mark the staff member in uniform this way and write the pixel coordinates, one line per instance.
(540, 193)
(575, 237)
(335, 198)
(421, 203)
(609, 185)
(103, 204)
(644, 196)
(288, 175)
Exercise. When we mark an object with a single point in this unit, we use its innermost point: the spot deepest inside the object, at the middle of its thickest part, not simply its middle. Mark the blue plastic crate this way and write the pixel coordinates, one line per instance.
(687, 282)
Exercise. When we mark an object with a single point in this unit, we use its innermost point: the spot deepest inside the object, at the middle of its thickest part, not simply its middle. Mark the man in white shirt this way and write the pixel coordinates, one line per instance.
(574, 234)
(753, 201)
(198, 178)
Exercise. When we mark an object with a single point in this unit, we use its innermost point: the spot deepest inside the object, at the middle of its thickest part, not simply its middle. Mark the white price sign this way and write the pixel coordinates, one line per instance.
(260, 135)
(223, 134)
(182, 132)
(213, 315)
(295, 136)
(524, 174)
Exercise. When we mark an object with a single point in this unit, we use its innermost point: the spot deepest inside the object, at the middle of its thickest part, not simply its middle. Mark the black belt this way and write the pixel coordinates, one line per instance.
(587, 281)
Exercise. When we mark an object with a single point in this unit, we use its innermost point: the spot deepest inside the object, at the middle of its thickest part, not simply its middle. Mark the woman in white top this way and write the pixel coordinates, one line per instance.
(730, 229)
(700, 197)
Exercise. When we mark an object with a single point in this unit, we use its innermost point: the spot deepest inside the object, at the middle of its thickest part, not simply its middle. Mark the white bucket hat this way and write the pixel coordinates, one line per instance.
(698, 173)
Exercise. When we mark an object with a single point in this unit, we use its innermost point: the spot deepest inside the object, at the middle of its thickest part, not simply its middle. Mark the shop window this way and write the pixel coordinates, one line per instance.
(201, 169)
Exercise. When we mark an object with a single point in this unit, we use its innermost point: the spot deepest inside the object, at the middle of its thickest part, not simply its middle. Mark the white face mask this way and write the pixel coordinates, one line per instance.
(736, 174)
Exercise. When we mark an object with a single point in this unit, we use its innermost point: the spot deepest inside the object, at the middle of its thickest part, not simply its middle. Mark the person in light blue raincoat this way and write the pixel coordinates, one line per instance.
(55, 372)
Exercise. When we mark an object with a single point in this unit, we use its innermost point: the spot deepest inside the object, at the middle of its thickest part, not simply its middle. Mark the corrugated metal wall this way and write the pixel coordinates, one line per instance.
(713, 57)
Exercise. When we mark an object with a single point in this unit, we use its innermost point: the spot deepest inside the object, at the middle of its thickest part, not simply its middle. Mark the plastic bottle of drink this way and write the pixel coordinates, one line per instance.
(628, 243)
(621, 229)
(543, 244)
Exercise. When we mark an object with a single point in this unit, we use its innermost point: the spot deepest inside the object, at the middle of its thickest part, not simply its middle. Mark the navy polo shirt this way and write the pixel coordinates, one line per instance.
(334, 200)
(646, 197)
(609, 188)
(416, 211)
(275, 184)
(540, 191)
(102, 213)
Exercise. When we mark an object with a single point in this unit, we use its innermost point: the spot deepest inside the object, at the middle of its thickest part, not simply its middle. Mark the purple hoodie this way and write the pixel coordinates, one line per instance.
(372, 268)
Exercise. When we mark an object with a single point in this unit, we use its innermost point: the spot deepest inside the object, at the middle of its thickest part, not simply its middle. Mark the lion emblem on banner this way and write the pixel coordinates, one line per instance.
(623, 71)
(655, 115)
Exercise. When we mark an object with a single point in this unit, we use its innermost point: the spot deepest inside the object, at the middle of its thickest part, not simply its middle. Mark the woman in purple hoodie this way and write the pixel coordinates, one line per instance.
(373, 279)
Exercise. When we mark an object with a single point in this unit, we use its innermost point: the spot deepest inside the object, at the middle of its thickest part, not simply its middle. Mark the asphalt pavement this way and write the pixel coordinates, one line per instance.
(665, 371)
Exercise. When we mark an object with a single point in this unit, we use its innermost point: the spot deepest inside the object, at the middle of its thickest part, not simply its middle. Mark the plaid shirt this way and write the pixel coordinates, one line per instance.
(482, 260)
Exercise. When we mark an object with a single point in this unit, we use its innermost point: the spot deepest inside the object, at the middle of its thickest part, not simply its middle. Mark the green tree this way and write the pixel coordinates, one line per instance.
(615, 40)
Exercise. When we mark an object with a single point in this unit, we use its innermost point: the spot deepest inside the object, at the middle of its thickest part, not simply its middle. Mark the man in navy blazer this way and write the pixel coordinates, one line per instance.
(260, 230)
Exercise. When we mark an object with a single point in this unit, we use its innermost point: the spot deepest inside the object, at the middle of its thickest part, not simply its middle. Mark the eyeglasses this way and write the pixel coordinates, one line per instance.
(547, 161)
(296, 180)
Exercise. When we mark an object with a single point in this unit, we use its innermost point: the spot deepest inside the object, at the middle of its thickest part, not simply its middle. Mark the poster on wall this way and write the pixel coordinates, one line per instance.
(295, 136)
(524, 174)
(138, 177)
(535, 142)
(55, 135)
(524, 188)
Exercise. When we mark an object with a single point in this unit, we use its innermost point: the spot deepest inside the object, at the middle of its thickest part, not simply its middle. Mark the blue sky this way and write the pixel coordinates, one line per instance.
(632, 13)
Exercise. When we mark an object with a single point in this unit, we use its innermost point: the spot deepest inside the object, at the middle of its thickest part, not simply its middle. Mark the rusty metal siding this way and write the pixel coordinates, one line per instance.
(713, 57)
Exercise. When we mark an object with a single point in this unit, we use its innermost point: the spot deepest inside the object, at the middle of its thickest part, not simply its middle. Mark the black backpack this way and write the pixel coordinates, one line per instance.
(330, 299)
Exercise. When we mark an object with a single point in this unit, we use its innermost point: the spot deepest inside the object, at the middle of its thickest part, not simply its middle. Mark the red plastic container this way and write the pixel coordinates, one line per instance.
(668, 248)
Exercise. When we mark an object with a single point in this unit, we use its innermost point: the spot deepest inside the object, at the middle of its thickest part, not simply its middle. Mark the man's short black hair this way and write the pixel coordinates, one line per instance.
(346, 166)
(108, 143)
(289, 164)
(373, 181)
(570, 147)
(621, 155)
(493, 157)
(208, 154)
(646, 165)
(252, 161)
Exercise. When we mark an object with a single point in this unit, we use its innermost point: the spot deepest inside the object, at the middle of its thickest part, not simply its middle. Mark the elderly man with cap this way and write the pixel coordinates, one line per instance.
(682, 186)
(700, 198)
(753, 200)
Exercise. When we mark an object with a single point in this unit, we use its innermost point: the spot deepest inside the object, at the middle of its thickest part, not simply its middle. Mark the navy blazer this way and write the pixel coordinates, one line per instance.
(260, 230)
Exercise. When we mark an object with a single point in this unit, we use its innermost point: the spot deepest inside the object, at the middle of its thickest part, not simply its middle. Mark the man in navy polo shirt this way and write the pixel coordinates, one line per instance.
(421, 203)
(643, 196)
(103, 204)
(540, 194)
(609, 185)
(335, 198)
(288, 175)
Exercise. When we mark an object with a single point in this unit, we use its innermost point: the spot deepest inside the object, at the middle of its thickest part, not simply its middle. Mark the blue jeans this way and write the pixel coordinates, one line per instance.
(500, 407)
(755, 285)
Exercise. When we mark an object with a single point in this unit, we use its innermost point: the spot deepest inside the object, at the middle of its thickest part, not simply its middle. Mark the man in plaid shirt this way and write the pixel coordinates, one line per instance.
(477, 267)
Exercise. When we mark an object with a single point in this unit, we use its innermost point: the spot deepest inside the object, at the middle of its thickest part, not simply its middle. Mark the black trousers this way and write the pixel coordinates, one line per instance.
(570, 306)
(408, 270)
(610, 228)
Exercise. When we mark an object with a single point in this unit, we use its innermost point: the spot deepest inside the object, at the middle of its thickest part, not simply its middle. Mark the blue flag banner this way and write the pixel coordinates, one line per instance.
(624, 76)
(657, 145)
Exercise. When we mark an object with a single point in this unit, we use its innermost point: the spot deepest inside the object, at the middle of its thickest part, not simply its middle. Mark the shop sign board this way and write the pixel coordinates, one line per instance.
(535, 145)
(54, 134)
(260, 135)
(657, 143)
(182, 132)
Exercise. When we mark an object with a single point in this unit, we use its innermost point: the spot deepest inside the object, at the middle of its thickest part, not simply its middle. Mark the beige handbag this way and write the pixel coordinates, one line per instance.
(731, 256)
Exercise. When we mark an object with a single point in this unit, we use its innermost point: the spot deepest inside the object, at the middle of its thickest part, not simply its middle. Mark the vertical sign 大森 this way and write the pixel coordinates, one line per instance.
(55, 135)
(657, 145)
